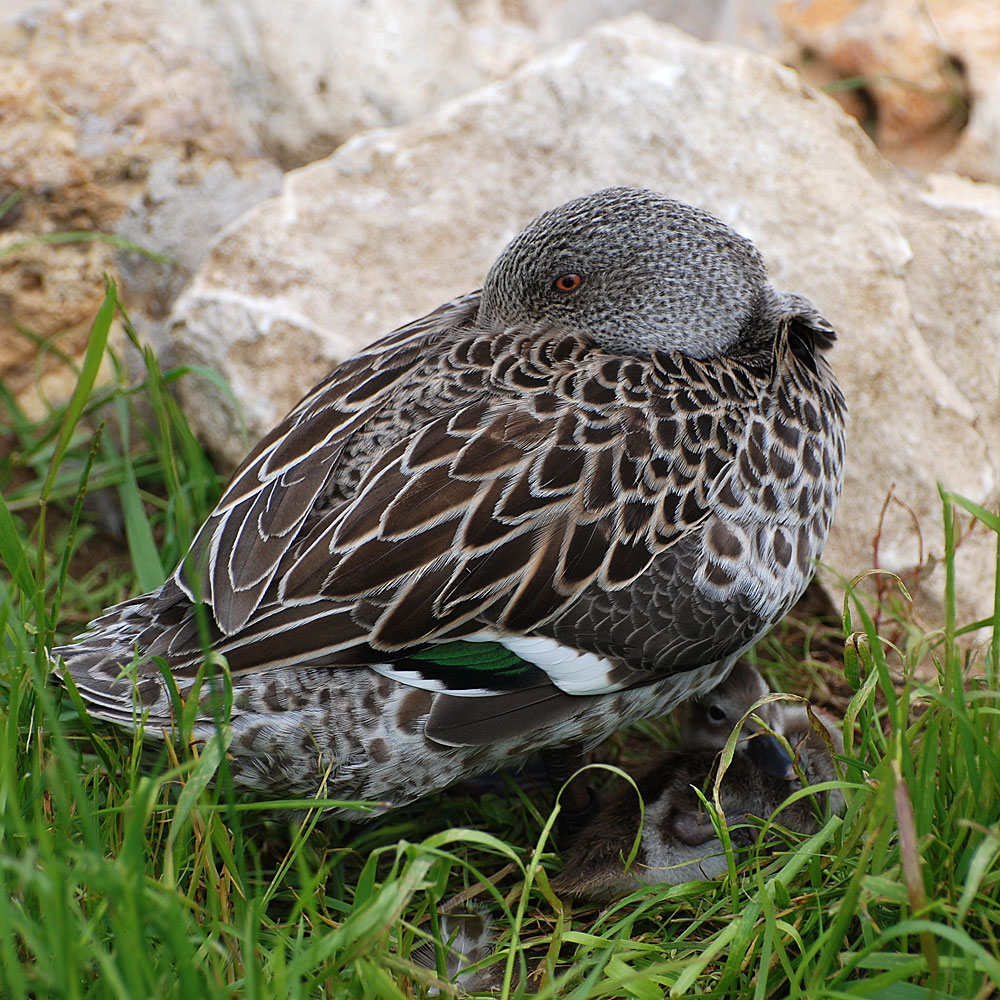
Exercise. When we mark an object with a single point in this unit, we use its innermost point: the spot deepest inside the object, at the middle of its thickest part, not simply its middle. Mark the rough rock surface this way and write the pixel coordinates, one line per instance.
(398, 220)
(931, 70)
(751, 23)
(105, 114)
(309, 74)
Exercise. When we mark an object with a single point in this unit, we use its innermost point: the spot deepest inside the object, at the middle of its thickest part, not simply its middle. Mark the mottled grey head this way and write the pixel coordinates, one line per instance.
(633, 270)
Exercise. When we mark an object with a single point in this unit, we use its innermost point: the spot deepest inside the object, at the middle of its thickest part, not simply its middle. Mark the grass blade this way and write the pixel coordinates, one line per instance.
(96, 344)
(12, 551)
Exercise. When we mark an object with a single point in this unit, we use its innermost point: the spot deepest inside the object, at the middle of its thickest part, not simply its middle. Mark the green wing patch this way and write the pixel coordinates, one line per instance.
(473, 664)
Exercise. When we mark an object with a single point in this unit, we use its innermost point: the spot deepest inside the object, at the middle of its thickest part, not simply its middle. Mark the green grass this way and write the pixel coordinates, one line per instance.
(131, 870)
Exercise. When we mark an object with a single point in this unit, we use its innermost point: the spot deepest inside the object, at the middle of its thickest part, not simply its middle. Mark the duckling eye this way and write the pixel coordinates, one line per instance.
(716, 714)
(567, 282)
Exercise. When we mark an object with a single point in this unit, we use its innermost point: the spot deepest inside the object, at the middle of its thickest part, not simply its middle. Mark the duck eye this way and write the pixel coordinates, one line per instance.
(567, 282)
(716, 714)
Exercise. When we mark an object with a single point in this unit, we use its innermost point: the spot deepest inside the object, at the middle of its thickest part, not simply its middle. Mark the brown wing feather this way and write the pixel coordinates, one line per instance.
(550, 465)
(238, 550)
(480, 721)
(507, 513)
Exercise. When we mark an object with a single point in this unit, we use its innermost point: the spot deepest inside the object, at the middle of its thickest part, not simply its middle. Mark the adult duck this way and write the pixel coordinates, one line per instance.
(551, 507)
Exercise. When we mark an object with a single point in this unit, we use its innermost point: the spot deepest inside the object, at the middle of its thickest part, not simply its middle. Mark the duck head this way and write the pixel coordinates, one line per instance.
(632, 270)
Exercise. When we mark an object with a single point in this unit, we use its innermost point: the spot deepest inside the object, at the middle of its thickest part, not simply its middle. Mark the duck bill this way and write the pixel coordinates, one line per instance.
(770, 756)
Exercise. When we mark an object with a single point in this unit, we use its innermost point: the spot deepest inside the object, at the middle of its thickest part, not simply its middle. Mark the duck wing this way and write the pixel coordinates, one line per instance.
(295, 467)
(571, 470)
(519, 472)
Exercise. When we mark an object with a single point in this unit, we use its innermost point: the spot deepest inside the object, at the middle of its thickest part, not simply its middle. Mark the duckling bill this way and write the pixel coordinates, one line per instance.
(553, 506)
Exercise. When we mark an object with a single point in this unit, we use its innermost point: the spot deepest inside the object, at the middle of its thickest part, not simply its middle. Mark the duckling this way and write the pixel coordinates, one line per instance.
(708, 720)
(679, 842)
(468, 935)
(811, 750)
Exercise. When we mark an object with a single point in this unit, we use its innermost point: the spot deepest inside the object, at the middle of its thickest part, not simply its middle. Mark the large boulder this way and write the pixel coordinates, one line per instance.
(398, 220)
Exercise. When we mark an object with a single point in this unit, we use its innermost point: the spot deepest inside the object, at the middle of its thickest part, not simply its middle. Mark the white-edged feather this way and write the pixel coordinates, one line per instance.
(569, 669)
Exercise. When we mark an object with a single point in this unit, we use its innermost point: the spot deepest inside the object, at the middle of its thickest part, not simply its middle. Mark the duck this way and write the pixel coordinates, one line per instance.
(679, 842)
(563, 502)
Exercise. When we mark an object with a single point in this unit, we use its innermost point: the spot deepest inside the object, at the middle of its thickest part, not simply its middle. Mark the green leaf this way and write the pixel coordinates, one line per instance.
(991, 520)
(141, 546)
(12, 551)
(376, 981)
(197, 781)
(901, 991)
(984, 860)
(10, 201)
(96, 344)
(85, 236)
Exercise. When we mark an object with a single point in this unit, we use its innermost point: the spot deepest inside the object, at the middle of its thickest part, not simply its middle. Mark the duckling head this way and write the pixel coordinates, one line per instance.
(709, 720)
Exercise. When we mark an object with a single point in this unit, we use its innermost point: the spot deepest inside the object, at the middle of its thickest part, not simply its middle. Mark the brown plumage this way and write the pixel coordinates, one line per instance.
(606, 489)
